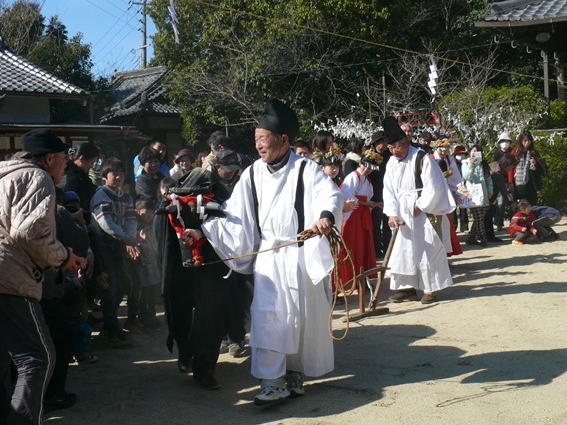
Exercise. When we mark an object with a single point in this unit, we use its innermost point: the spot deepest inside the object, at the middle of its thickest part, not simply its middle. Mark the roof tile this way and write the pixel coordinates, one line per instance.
(18, 75)
(140, 90)
(527, 10)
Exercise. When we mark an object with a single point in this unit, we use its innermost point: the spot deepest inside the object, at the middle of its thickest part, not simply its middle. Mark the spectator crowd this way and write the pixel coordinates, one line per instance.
(79, 236)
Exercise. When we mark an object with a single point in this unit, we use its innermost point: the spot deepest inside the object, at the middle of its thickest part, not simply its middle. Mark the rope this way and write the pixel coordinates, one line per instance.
(337, 245)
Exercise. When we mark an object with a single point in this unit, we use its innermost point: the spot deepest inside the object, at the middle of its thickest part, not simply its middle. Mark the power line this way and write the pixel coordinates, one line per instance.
(108, 31)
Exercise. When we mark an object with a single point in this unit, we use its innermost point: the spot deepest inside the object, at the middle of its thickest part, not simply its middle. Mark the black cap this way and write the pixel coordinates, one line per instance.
(42, 141)
(279, 118)
(88, 150)
(228, 160)
(392, 130)
(378, 137)
(426, 135)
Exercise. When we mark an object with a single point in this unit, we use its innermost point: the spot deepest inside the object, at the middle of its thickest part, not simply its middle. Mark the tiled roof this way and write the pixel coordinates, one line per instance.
(18, 76)
(140, 90)
(528, 10)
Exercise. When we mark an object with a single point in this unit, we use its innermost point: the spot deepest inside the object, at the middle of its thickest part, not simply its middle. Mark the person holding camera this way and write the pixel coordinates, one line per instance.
(526, 178)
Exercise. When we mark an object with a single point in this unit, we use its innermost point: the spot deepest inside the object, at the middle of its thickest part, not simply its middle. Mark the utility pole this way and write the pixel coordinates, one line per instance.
(144, 62)
(144, 46)
(546, 85)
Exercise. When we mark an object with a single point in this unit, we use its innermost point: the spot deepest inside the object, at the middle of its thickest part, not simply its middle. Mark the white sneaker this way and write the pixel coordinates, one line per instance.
(271, 391)
(294, 383)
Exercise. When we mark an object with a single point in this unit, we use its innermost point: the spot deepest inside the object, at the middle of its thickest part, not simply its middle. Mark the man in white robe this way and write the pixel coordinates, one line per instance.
(279, 196)
(418, 260)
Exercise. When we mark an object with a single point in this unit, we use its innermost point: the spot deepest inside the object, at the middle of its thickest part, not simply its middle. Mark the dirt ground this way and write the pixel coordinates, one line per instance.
(493, 350)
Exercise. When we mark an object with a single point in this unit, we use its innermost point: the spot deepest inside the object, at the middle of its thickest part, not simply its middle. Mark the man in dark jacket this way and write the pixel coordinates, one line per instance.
(78, 180)
(382, 233)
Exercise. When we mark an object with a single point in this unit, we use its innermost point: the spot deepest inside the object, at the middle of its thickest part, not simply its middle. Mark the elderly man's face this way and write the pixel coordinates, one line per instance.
(408, 130)
(271, 147)
(400, 149)
(55, 164)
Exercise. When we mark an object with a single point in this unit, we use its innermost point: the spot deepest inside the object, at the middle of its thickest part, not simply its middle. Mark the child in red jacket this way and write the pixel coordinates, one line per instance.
(521, 227)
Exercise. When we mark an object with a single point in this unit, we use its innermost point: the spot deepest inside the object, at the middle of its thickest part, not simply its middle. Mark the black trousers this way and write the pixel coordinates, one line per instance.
(113, 261)
(238, 307)
(25, 336)
(58, 319)
(381, 231)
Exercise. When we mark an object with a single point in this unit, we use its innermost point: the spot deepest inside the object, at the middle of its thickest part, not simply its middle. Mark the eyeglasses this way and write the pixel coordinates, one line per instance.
(263, 138)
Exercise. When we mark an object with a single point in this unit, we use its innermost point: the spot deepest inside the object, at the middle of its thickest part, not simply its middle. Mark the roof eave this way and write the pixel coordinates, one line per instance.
(510, 24)
(77, 97)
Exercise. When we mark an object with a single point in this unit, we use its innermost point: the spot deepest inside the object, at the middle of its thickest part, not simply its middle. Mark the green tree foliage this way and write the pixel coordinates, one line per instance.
(327, 58)
(552, 148)
(50, 48)
(21, 26)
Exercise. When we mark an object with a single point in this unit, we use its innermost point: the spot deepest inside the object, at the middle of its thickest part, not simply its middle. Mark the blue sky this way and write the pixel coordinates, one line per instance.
(111, 28)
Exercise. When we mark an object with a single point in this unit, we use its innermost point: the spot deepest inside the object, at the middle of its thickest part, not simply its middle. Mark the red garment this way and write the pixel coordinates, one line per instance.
(358, 237)
(520, 221)
(455, 244)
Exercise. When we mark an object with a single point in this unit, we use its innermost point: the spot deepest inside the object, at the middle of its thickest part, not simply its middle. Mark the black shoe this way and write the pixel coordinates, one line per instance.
(60, 402)
(207, 381)
(185, 364)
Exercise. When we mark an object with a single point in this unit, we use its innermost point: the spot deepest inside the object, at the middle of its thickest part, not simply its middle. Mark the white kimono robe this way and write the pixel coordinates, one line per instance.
(418, 257)
(290, 308)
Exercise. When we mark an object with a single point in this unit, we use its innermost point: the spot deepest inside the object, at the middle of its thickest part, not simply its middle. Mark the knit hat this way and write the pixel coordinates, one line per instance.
(183, 152)
(71, 196)
(280, 119)
(42, 141)
(392, 130)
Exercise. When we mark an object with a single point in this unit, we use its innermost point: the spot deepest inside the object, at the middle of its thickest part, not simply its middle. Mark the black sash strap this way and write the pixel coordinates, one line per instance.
(255, 199)
(300, 201)
(418, 182)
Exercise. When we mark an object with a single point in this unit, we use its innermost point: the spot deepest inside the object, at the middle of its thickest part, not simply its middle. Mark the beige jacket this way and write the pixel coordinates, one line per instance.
(28, 243)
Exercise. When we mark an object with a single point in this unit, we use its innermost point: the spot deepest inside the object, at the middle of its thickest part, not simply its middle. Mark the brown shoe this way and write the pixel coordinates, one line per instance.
(428, 299)
(404, 295)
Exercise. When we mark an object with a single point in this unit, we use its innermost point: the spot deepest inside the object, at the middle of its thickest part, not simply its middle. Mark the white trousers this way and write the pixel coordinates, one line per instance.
(267, 364)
